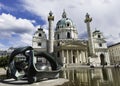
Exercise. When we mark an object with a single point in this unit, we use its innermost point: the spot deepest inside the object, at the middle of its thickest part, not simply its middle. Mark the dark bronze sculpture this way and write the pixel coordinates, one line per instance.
(29, 68)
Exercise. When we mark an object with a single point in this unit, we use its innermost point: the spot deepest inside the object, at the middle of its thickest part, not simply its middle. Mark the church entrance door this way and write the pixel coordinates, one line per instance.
(73, 59)
(102, 58)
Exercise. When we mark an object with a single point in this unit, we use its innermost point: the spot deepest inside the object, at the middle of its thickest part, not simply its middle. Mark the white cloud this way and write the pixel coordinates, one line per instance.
(26, 38)
(2, 47)
(2, 6)
(16, 31)
(105, 13)
(11, 23)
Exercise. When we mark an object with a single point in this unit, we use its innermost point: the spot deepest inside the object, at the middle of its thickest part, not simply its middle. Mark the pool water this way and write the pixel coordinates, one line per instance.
(92, 77)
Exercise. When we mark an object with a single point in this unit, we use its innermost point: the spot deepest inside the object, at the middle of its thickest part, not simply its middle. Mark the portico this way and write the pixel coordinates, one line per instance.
(72, 53)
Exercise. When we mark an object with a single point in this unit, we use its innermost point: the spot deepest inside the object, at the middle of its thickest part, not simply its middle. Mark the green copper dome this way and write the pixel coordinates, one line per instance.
(64, 22)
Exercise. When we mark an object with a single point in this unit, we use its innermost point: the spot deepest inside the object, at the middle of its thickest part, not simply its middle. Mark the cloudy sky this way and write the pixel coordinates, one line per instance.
(19, 19)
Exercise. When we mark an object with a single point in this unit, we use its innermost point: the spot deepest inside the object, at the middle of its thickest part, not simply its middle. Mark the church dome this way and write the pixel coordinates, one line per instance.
(64, 22)
(65, 28)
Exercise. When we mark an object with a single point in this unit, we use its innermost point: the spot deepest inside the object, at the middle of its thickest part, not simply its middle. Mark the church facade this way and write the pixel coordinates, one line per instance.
(64, 43)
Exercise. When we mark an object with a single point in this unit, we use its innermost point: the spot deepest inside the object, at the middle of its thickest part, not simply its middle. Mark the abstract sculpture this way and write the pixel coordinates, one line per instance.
(29, 68)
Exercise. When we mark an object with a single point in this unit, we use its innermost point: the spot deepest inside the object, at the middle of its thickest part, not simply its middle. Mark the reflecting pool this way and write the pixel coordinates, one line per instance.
(92, 77)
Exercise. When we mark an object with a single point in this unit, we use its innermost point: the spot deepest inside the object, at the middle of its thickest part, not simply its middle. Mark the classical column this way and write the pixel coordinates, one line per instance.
(63, 57)
(90, 38)
(86, 60)
(67, 58)
(81, 57)
(78, 57)
(51, 33)
(71, 56)
(84, 57)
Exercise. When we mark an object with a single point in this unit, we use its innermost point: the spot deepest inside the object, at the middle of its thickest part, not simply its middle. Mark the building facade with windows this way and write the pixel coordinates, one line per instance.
(114, 52)
(64, 43)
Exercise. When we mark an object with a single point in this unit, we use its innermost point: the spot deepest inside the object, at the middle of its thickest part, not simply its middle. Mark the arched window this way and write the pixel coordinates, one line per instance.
(40, 34)
(68, 35)
(68, 24)
(102, 58)
(99, 36)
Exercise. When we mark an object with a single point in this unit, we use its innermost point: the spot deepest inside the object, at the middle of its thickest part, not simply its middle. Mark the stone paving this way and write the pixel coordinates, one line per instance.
(2, 71)
(12, 82)
(52, 82)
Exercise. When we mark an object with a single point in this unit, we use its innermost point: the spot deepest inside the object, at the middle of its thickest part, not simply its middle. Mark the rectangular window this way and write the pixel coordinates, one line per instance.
(39, 44)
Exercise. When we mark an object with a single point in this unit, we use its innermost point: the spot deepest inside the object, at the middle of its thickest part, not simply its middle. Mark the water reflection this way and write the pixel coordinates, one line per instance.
(92, 77)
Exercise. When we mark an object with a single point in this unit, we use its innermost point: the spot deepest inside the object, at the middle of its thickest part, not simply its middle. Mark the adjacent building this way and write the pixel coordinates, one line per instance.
(3, 53)
(114, 52)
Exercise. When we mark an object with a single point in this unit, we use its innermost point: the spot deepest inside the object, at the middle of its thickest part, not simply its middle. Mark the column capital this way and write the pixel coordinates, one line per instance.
(87, 18)
(50, 17)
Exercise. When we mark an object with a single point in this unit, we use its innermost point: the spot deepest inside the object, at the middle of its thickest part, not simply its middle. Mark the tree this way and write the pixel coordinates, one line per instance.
(4, 61)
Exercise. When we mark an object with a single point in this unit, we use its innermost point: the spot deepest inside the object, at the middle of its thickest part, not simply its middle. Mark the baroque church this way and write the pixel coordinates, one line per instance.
(64, 43)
